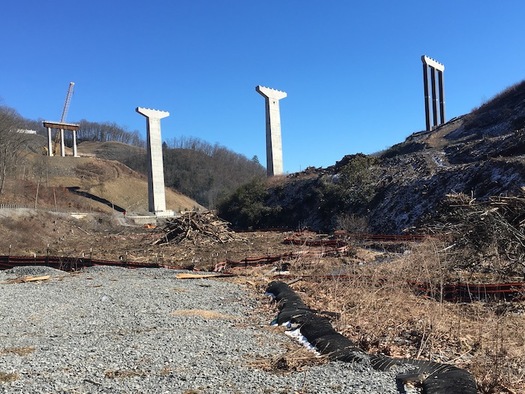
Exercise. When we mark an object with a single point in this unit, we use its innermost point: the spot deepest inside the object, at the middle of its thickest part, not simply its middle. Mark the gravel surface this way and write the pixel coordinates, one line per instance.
(113, 330)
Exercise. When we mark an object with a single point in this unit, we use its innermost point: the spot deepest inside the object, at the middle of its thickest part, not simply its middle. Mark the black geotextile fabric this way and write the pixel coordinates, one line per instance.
(434, 378)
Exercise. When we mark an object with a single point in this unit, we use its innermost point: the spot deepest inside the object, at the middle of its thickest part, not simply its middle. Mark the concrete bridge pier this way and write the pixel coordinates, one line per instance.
(61, 127)
(274, 149)
(156, 193)
(438, 92)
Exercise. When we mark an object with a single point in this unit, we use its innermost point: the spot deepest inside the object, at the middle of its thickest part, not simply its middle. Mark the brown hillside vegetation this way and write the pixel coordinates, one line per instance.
(108, 150)
(42, 182)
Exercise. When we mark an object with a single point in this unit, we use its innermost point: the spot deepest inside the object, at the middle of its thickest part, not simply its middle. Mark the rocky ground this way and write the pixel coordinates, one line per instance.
(114, 330)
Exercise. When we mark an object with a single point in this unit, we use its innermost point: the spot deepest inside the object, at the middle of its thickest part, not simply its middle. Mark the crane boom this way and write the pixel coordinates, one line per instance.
(67, 102)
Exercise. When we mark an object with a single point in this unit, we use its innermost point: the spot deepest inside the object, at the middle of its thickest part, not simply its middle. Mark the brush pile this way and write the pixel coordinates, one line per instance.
(197, 227)
(489, 235)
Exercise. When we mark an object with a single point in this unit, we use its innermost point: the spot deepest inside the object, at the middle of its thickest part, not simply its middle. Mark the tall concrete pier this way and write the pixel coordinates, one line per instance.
(274, 148)
(438, 92)
(156, 194)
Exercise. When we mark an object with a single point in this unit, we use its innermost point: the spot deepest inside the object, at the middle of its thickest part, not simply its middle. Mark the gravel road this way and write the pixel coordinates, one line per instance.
(114, 330)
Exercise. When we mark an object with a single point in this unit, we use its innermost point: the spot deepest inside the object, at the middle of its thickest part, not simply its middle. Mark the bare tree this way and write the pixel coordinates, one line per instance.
(94, 131)
(12, 140)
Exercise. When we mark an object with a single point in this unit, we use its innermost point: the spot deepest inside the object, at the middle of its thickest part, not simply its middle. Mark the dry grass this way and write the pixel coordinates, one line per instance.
(295, 359)
(20, 351)
(381, 312)
(8, 377)
(205, 314)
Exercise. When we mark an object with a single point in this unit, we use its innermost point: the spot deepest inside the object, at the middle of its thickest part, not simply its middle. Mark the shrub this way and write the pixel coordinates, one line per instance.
(245, 208)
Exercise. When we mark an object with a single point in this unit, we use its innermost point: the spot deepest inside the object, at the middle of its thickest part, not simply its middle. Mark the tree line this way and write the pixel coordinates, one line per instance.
(88, 131)
(107, 131)
(12, 142)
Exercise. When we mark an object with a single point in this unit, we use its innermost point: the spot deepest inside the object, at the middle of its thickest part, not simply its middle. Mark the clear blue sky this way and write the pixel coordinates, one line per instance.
(352, 69)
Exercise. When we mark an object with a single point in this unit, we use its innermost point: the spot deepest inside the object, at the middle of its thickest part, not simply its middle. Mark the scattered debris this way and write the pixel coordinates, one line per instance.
(28, 278)
(488, 236)
(313, 239)
(196, 227)
(264, 260)
(70, 264)
(184, 275)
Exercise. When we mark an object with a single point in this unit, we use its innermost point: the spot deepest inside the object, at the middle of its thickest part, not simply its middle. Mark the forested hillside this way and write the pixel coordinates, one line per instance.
(207, 173)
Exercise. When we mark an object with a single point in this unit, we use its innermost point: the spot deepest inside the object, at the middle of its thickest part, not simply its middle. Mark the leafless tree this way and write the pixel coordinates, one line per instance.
(12, 140)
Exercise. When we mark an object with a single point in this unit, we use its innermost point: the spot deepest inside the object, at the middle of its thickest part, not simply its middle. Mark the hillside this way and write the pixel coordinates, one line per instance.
(47, 182)
(481, 154)
(195, 168)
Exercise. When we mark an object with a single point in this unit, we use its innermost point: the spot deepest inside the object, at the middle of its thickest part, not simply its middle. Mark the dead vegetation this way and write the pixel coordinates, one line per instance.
(295, 359)
(197, 227)
(486, 236)
(8, 377)
(204, 314)
(380, 311)
(19, 351)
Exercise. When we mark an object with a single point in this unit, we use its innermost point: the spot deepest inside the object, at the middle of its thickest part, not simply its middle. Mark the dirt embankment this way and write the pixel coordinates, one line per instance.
(43, 182)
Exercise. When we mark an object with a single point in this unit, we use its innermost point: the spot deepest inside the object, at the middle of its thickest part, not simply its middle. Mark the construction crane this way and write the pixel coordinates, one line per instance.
(64, 114)
(67, 102)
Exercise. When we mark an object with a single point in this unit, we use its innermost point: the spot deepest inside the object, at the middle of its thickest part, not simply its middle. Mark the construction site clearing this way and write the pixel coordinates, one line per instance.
(384, 291)
(202, 242)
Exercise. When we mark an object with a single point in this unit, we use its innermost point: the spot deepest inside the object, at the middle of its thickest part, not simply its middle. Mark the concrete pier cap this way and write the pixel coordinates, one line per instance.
(271, 93)
(433, 63)
(152, 113)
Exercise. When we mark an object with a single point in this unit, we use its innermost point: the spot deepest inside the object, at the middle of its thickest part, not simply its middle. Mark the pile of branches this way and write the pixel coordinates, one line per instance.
(196, 227)
(488, 236)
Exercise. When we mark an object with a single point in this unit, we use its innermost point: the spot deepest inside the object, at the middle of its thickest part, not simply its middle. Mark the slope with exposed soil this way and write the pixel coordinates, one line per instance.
(44, 181)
